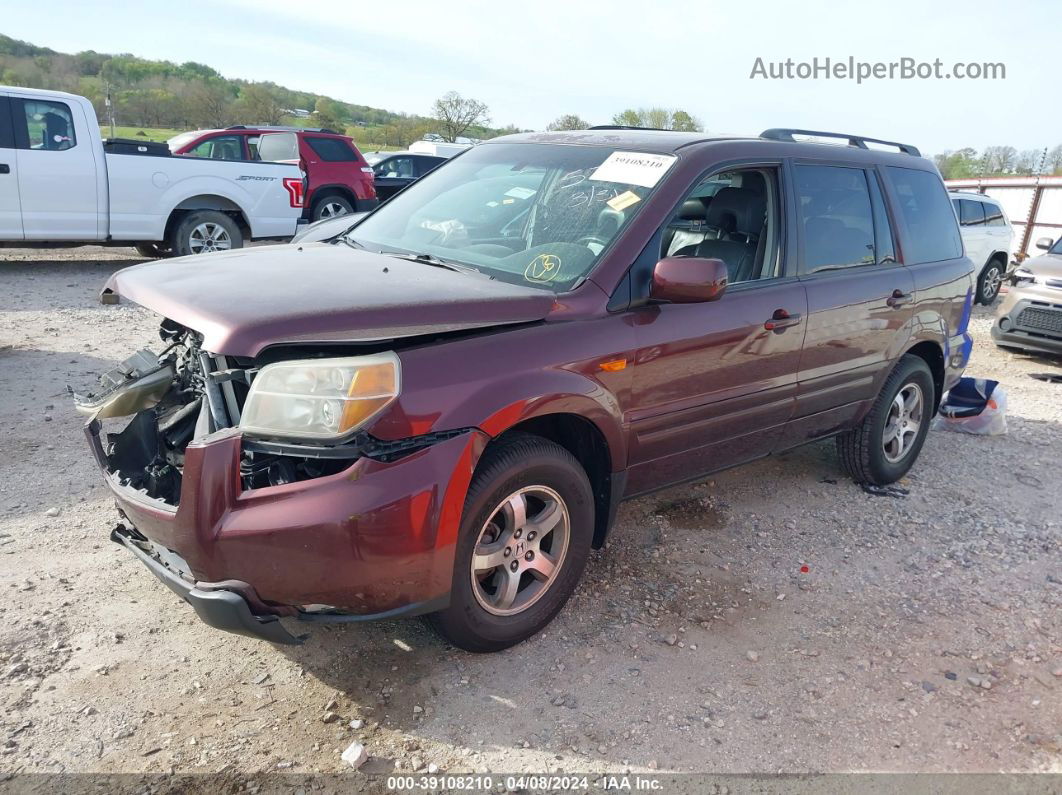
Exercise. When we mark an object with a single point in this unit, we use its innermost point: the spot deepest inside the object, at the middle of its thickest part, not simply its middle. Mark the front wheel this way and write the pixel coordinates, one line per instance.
(989, 282)
(523, 543)
(887, 442)
(204, 232)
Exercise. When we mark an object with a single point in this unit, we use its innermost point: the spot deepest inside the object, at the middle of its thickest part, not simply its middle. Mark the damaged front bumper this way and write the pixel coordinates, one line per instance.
(218, 605)
(375, 540)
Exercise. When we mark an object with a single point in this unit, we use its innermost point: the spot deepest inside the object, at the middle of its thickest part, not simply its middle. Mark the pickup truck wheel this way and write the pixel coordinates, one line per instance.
(153, 250)
(886, 443)
(989, 282)
(524, 540)
(331, 206)
(204, 231)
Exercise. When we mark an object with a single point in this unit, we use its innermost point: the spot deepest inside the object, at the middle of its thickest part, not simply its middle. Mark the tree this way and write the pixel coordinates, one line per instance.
(457, 114)
(569, 121)
(327, 113)
(1054, 160)
(658, 119)
(1000, 159)
(960, 164)
(257, 105)
(209, 103)
(1027, 162)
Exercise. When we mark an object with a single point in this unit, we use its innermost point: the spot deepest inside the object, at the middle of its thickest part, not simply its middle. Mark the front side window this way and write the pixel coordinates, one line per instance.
(49, 125)
(932, 232)
(731, 216)
(332, 150)
(533, 214)
(836, 215)
(221, 147)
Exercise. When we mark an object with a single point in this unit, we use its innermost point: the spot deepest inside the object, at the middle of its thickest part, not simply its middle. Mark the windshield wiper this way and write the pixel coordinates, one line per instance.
(349, 241)
(430, 259)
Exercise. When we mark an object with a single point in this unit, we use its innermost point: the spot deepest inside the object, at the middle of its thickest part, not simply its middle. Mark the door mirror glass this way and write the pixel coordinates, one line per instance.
(1044, 243)
(688, 280)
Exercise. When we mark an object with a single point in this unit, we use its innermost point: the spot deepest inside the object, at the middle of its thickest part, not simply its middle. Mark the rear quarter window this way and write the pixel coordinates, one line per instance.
(332, 150)
(927, 214)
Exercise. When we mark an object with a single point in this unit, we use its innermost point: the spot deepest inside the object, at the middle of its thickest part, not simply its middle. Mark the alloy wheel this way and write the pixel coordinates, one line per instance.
(332, 210)
(208, 237)
(902, 423)
(992, 282)
(520, 550)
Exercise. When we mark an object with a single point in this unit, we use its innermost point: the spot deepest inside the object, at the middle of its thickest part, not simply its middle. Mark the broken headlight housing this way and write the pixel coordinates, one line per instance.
(320, 399)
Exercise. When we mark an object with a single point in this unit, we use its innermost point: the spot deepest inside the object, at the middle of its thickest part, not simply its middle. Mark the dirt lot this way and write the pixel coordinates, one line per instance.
(926, 634)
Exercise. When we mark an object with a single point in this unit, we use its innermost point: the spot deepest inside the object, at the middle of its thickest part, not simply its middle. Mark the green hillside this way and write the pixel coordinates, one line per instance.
(159, 97)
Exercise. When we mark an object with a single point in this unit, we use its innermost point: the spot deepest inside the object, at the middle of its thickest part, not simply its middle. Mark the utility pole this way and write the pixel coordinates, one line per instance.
(110, 108)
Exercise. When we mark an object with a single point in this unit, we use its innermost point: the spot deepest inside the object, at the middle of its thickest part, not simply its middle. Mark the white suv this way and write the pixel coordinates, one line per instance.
(987, 236)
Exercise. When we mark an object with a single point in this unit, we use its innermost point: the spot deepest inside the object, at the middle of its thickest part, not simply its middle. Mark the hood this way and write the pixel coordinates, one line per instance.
(1048, 266)
(246, 300)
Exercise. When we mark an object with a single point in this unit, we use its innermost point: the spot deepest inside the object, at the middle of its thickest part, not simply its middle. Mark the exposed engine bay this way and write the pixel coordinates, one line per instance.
(181, 394)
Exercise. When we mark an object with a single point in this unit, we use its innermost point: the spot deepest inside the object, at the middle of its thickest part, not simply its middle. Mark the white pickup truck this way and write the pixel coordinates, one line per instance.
(61, 184)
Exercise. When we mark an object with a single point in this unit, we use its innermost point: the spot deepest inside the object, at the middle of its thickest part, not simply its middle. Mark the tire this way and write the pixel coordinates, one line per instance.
(204, 231)
(866, 454)
(533, 471)
(331, 206)
(989, 282)
(153, 250)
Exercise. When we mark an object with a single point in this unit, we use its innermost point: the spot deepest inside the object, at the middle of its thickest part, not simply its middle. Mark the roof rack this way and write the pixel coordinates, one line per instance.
(281, 128)
(860, 141)
(626, 127)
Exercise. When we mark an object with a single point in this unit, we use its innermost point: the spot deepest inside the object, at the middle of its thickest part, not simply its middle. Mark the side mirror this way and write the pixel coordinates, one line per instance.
(1044, 243)
(688, 280)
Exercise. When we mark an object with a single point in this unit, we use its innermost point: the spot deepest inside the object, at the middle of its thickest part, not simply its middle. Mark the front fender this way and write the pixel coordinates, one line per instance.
(498, 381)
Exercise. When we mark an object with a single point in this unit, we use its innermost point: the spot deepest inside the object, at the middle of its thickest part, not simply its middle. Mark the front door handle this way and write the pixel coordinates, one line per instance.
(780, 320)
(5, 168)
(898, 299)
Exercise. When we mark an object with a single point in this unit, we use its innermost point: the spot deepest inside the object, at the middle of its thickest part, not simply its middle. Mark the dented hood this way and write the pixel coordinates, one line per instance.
(244, 301)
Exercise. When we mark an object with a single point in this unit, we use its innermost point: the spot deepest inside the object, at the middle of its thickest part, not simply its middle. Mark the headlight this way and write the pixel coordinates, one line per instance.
(320, 399)
(1022, 277)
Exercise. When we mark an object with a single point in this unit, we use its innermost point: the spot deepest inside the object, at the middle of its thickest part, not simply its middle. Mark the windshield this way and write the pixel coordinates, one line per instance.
(1056, 248)
(532, 214)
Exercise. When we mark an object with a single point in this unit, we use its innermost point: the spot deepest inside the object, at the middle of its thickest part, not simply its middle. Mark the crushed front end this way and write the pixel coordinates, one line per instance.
(249, 529)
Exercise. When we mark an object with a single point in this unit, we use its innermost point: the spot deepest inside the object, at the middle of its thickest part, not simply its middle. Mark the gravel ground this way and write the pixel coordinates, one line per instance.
(924, 635)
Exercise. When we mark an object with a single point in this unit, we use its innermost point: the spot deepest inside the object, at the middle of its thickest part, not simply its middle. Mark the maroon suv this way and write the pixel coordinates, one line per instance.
(437, 408)
(340, 181)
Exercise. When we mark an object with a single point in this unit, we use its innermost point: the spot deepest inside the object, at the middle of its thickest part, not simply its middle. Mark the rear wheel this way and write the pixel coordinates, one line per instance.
(887, 442)
(524, 540)
(204, 232)
(989, 282)
(331, 206)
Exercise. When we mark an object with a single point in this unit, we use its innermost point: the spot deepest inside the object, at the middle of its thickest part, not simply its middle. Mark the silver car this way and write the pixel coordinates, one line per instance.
(1030, 316)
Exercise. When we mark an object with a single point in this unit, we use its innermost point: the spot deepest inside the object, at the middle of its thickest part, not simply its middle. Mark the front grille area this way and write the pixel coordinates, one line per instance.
(1048, 321)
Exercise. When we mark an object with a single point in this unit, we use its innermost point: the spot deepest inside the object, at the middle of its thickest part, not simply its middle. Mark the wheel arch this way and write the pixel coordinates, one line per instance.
(208, 201)
(933, 354)
(587, 443)
(333, 189)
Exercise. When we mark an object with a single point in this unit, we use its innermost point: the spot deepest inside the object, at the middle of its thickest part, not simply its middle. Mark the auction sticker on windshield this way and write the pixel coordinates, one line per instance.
(634, 168)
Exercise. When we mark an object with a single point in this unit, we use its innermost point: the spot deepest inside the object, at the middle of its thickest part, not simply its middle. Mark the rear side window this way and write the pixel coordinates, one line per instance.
(48, 125)
(332, 150)
(837, 217)
(971, 213)
(994, 215)
(932, 233)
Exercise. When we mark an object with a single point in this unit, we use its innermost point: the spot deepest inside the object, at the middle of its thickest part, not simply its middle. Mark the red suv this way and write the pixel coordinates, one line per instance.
(340, 181)
(437, 408)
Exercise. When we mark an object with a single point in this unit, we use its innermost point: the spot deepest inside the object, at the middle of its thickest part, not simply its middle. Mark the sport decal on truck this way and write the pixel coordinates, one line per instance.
(255, 178)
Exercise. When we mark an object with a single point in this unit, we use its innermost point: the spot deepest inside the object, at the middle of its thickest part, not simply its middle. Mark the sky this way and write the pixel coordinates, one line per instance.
(533, 61)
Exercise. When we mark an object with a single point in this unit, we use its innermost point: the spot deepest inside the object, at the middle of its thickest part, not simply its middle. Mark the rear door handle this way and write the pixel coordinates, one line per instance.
(781, 319)
(5, 168)
(899, 298)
